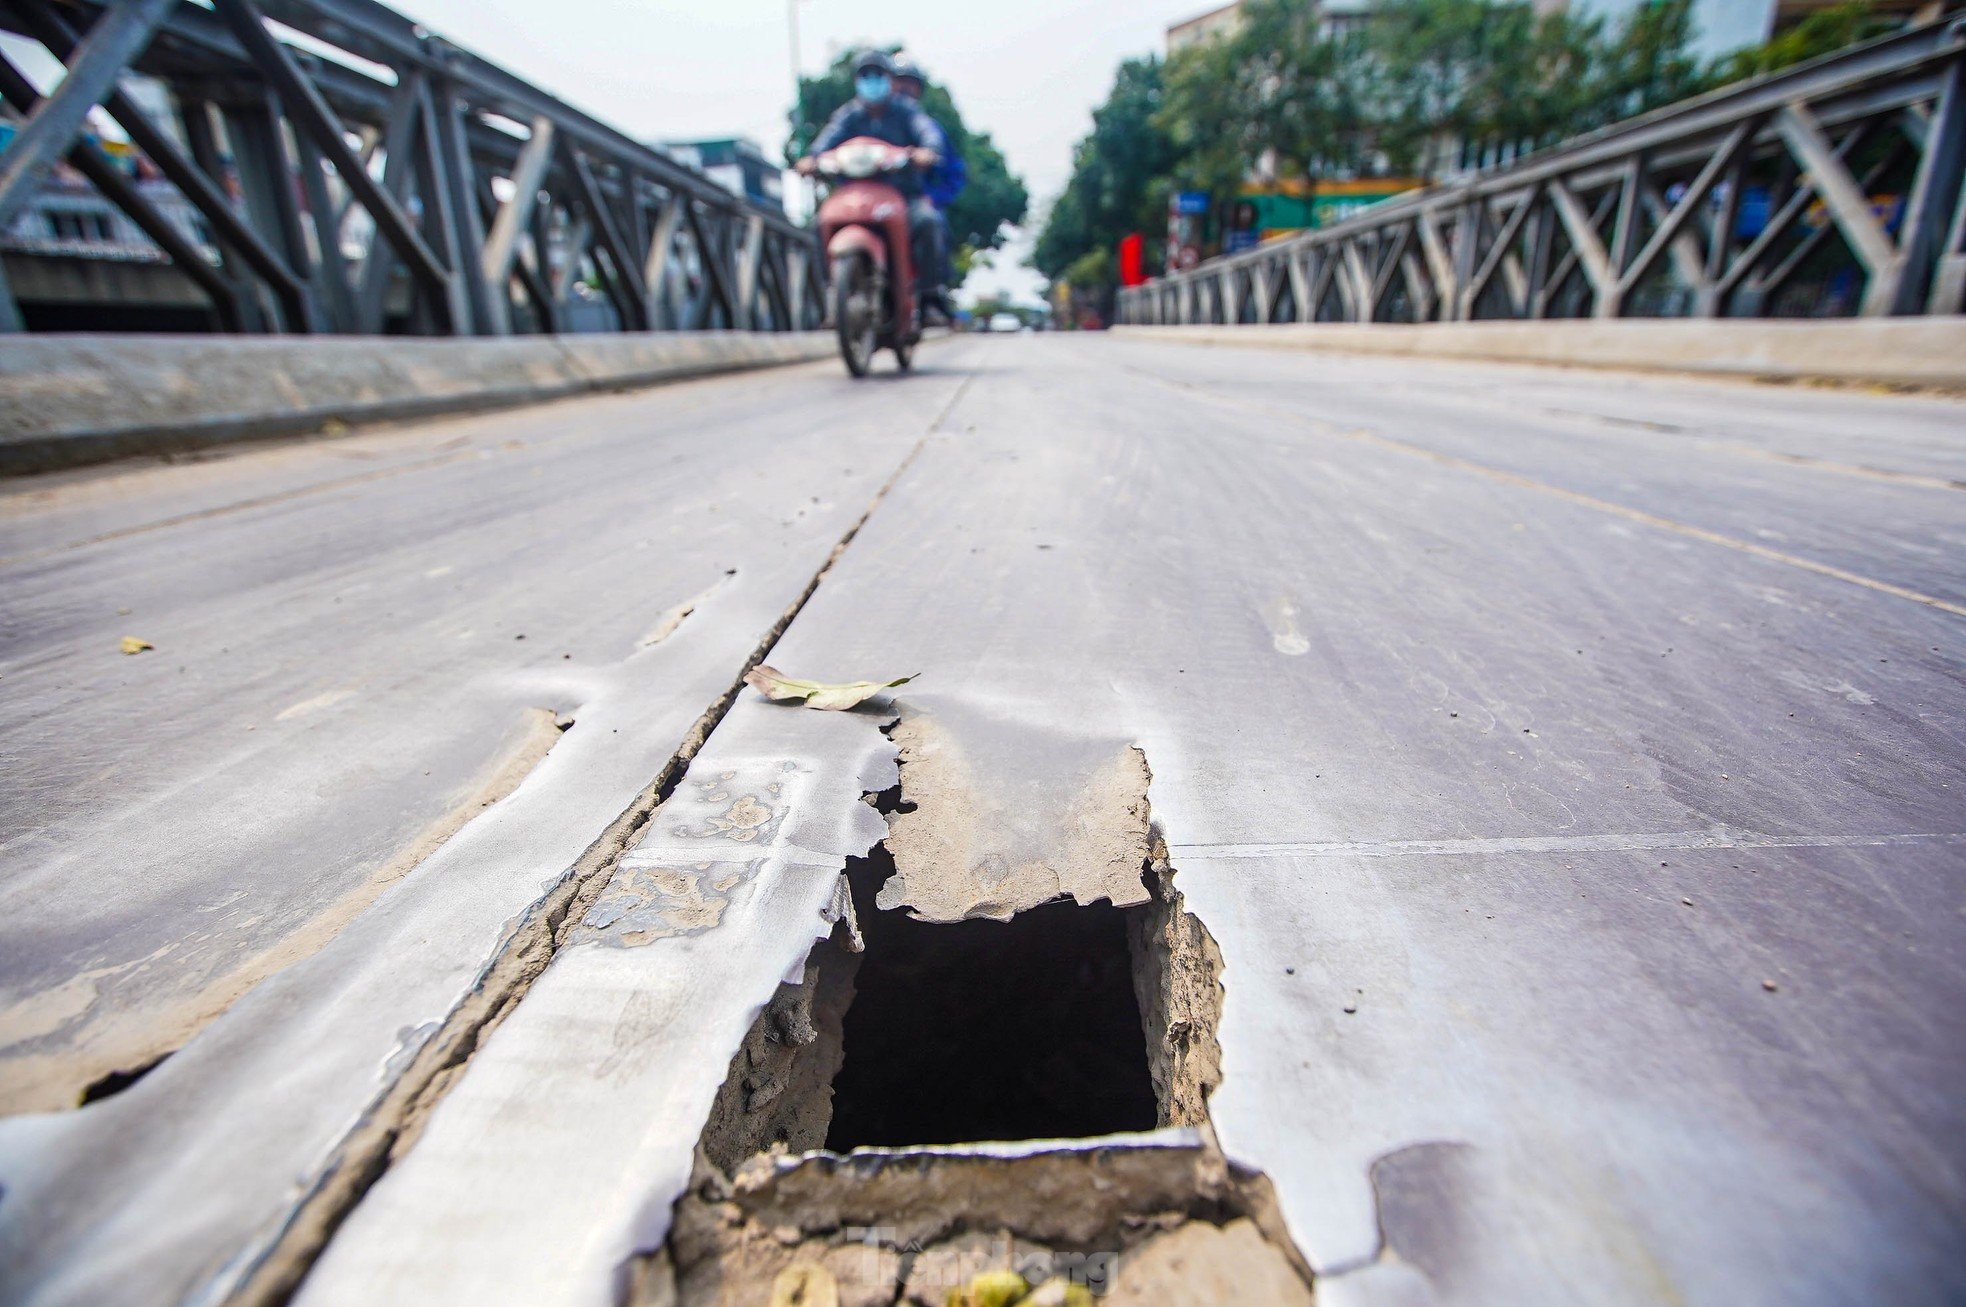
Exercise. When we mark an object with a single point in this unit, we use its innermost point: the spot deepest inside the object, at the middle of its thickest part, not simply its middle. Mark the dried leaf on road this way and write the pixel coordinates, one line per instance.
(132, 645)
(774, 684)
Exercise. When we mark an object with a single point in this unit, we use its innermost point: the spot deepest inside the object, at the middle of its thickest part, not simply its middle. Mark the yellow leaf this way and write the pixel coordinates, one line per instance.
(132, 645)
(990, 1289)
(774, 684)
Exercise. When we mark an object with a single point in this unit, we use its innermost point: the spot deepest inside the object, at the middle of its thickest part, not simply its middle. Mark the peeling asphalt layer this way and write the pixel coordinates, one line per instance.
(1568, 766)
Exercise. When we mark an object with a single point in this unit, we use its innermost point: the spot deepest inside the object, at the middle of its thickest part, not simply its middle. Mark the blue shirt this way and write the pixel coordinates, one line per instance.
(945, 181)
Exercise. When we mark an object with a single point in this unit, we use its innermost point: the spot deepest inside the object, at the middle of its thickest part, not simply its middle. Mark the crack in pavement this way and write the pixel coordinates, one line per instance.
(391, 1125)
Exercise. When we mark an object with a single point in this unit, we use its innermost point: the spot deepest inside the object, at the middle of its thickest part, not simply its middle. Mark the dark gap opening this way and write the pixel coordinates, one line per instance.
(117, 1081)
(989, 1030)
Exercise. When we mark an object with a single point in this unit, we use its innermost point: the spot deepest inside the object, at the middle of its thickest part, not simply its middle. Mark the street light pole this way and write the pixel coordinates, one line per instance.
(792, 38)
(792, 34)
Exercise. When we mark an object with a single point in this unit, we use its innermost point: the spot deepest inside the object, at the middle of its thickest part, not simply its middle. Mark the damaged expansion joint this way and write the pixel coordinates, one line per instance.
(842, 1162)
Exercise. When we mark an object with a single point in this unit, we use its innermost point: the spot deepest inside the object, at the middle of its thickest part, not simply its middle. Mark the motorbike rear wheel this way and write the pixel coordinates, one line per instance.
(856, 311)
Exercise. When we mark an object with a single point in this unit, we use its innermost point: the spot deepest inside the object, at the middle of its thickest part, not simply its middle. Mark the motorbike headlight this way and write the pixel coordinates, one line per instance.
(860, 160)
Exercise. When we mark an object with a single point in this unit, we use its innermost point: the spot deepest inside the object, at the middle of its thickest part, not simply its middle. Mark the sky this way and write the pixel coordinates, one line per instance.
(1029, 72)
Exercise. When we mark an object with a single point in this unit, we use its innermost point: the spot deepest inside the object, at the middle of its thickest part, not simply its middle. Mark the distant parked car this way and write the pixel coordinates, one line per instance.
(1006, 322)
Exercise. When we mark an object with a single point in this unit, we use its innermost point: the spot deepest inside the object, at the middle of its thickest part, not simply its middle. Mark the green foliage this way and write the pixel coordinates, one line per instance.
(1307, 94)
(1204, 118)
(994, 198)
(1120, 174)
(1645, 65)
(1398, 94)
(1093, 268)
(1823, 32)
(1452, 71)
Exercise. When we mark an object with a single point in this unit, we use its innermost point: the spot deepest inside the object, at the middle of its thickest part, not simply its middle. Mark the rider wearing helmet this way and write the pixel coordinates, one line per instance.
(877, 110)
(945, 181)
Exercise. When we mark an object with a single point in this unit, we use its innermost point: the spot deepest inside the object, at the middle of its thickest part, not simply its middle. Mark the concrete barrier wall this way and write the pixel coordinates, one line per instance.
(70, 400)
(1890, 351)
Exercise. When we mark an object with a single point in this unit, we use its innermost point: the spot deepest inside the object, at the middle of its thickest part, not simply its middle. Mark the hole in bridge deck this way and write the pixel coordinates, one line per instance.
(117, 1081)
(1066, 1023)
(981, 1030)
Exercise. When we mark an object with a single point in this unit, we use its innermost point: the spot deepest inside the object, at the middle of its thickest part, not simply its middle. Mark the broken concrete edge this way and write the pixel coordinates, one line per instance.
(1899, 352)
(71, 401)
(758, 1171)
(268, 1273)
(430, 1062)
(78, 1075)
(875, 1220)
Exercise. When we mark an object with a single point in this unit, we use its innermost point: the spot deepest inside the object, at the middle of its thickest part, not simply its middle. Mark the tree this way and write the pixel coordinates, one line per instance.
(1205, 117)
(1412, 88)
(1306, 90)
(1823, 32)
(1647, 62)
(1434, 63)
(1448, 74)
(994, 198)
(1120, 178)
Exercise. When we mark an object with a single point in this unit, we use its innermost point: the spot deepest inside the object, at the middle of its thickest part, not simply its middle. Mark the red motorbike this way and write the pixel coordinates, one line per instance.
(863, 226)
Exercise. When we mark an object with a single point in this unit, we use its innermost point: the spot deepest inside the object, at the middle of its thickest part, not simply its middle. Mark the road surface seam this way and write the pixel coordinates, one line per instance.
(1369, 437)
(365, 1155)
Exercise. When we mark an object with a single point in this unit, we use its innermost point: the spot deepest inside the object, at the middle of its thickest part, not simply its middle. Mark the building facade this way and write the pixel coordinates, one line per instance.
(735, 163)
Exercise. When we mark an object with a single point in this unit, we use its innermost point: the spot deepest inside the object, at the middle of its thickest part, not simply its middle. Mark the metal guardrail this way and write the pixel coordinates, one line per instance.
(366, 175)
(1833, 187)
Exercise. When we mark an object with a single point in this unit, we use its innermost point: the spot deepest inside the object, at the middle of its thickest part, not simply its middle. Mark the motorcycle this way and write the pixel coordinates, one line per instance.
(863, 227)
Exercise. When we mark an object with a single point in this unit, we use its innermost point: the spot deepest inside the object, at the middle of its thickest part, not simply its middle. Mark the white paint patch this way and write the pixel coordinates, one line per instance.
(318, 702)
(436, 572)
(1280, 615)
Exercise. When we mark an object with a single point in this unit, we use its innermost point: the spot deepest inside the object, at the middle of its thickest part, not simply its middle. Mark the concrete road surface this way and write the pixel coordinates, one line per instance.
(1567, 765)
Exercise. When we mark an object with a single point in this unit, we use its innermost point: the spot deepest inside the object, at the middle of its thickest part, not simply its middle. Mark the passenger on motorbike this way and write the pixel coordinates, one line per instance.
(877, 111)
(944, 182)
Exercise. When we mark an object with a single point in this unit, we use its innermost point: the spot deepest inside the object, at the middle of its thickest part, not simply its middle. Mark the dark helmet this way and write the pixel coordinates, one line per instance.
(877, 60)
(906, 67)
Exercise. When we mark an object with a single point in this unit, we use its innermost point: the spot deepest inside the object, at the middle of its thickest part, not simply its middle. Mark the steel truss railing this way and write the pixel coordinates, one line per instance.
(412, 186)
(1833, 187)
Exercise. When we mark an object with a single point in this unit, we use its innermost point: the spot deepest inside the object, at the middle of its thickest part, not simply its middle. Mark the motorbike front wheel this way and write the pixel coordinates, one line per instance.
(856, 311)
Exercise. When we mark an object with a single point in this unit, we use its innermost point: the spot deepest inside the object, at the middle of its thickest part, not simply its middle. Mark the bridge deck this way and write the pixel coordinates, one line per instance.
(1567, 765)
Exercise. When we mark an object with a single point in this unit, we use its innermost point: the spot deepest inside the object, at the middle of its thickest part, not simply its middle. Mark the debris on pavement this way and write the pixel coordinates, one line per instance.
(134, 645)
(774, 684)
